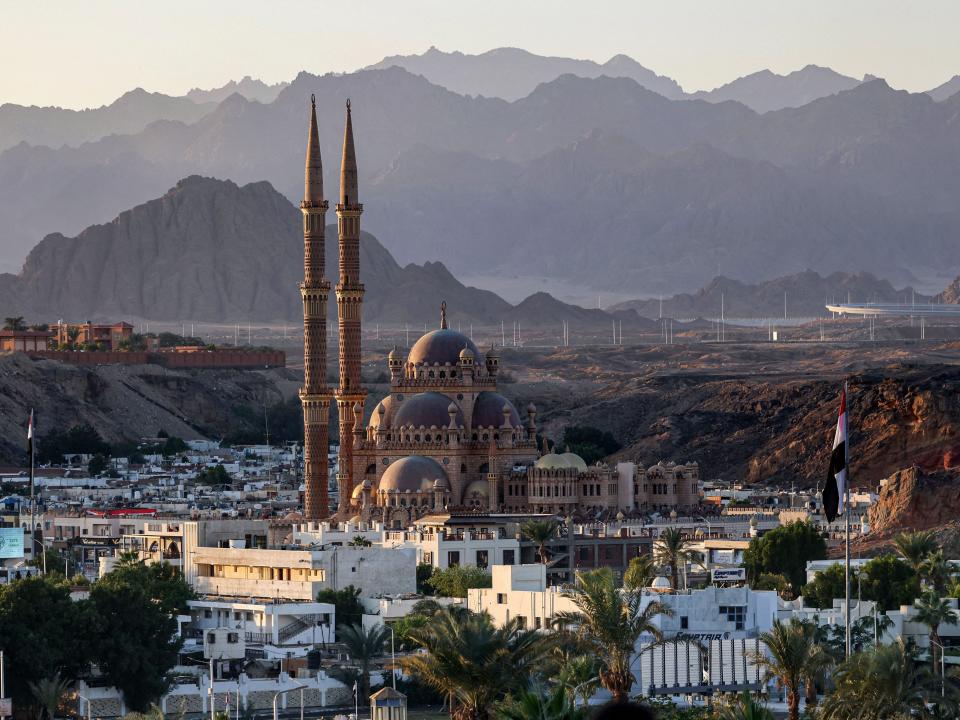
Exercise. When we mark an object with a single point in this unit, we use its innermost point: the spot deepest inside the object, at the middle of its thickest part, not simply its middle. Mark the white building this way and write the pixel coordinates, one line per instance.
(271, 629)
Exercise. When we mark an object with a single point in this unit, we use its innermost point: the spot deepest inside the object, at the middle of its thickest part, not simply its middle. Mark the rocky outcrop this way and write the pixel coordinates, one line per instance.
(210, 250)
(914, 499)
(128, 402)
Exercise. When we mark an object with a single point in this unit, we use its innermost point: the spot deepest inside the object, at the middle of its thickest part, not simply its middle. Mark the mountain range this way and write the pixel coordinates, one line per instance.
(594, 181)
(801, 295)
(214, 251)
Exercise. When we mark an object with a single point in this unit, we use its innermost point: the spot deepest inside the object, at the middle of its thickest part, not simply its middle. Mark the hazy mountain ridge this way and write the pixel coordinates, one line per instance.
(947, 90)
(805, 294)
(873, 165)
(765, 90)
(512, 73)
(130, 113)
(250, 88)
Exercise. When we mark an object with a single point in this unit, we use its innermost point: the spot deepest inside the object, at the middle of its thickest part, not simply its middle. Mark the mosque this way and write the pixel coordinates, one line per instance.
(445, 437)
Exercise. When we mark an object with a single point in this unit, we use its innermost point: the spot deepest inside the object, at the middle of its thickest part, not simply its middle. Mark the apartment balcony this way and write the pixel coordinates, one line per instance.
(254, 588)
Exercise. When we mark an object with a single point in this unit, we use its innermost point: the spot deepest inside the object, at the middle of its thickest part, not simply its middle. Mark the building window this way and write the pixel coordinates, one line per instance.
(501, 598)
(538, 622)
(483, 558)
(453, 558)
(508, 557)
(684, 622)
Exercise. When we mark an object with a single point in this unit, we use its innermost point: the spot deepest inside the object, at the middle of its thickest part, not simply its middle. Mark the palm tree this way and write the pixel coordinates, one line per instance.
(472, 662)
(745, 708)
(935, 569)
(580, 676)
(881, 682)
(359, 541)
(363, 646)
(793, 658)
(672, 549)
(934, 611)
(540, 532)
(14, 323)
(639, 573)
(609, 621)
(48, 692)
(532, 705)
(915, 546)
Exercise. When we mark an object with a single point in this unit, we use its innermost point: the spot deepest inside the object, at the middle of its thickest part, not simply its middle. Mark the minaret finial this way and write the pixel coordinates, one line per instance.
(313, 177)
(349, 192)
(443, 314)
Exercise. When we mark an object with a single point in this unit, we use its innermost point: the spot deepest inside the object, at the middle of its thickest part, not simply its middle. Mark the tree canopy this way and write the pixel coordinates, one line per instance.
(349, 610)
(590, 443)
(785, 551)
(455, 580)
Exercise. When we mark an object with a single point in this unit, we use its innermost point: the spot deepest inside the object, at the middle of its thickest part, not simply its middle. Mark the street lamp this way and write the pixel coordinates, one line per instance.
(277, 694)
(393, 657)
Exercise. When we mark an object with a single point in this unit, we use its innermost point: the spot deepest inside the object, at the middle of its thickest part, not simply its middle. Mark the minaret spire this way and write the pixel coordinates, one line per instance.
(443, 314)
(314, 290)
(350, 394)
(313, 175)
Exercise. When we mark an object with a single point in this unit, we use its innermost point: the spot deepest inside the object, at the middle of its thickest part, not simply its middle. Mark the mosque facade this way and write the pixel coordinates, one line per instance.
(444, 437)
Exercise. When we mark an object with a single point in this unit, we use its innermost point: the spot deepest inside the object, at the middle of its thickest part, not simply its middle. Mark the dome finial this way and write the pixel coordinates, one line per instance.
(443, 314)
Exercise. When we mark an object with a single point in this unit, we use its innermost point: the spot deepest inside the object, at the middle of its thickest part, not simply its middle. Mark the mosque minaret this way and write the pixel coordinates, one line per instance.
(350, 395)
(315, 289)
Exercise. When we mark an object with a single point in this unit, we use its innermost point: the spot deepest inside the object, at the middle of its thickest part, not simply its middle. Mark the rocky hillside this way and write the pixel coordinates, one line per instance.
(130, 402)
(212, 251)
(756, 413)
(915, 499)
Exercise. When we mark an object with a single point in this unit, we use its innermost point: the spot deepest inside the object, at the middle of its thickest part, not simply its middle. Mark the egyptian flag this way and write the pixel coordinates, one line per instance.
(833, 491)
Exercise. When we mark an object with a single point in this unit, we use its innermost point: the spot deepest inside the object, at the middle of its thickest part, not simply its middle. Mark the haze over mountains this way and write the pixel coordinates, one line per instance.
(597, 181)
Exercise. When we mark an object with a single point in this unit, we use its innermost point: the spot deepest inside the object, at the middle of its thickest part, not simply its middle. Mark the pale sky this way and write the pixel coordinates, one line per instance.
(86, 53)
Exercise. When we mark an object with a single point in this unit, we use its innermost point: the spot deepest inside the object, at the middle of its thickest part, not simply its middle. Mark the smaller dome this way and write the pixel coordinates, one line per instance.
(414, 473)
(552, 461)
(574, 460)
(620, 516)
(531, 408)
(429, 409)
(477, 487)
(492, 352)
(395, 354)
(357, 492)
(660, 584)
(466, 353)
(488, 410)
(382, 416)
(452, 408)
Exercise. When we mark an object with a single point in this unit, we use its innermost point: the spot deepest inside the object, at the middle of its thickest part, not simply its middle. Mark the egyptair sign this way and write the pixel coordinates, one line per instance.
(728, 575)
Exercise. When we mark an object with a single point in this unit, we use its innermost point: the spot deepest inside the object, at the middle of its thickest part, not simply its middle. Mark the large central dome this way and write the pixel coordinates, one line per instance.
(440, 347)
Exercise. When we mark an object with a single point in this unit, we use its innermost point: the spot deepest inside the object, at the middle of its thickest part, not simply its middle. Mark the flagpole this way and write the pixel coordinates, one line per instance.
(846, 508)
(33, 522)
